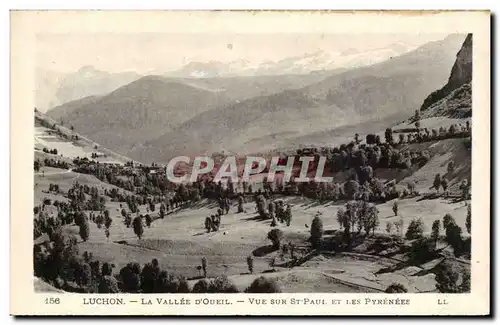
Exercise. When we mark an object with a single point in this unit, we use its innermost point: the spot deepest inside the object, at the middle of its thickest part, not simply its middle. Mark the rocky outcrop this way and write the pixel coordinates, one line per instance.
(461, 74)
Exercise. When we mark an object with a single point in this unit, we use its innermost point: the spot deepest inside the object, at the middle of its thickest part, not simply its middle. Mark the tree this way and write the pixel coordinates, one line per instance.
(208, 224)
(415, 229)
(351, 188)
(288, 215)
(107, 221)
(436, 229)
(37, 165)
(149, 220)
(454, 238)
(451, 167)
(370, 218)
(263, 285)
(356, 138)
(401, 138)
(149, 276)
(388, 135)
(204, 266)
(388, 227)
(107, 269)
(396, 288)
(275, 235)
(138, 226)
(130, 277)
(411, 188)
(444, 185)
(262, 206)
(316, 231)
(84, 230)
(395, 208)
(399, 226)
(465, 188)
(437, 182)
(250, 264)
(468, 219)
(240, 204)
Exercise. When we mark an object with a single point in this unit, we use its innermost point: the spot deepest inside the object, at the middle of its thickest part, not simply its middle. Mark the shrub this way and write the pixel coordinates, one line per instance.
(447, 280)
(263, 285)
(167, 283)
(396, 288)
(415, 229)
(108, 284)
(201, 286)
(275, 235)
(222, 285)
(421, 251)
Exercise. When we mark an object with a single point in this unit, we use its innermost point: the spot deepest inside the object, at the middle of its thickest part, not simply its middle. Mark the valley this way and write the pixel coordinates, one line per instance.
(395, 217)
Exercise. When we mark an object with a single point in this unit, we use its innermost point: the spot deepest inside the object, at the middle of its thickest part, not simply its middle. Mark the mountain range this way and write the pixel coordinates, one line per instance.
(55, 88)
(303, 64)
(155, 118)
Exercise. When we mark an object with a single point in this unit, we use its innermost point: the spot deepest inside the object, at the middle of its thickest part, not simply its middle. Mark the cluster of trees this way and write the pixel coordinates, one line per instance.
(275, 210)
(102, 219)
(51, 151)
(424, 135)
(59, 263)
(77, 194)
(442, 182)
(49, 162)
(355, 217)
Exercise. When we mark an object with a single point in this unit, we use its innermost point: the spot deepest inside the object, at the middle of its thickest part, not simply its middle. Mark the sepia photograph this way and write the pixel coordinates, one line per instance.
(312, 162)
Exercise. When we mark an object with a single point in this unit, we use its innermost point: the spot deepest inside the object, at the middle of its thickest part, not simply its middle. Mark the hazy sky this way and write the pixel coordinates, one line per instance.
(159, 52)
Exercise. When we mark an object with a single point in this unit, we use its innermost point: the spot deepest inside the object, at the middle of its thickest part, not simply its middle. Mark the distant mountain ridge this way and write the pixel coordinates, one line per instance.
(353, 96)
(303, 64)
(156, 118)
(55, 88)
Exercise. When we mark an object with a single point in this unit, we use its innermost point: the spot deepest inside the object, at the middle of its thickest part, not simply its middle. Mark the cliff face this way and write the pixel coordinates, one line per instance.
(461, 74)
